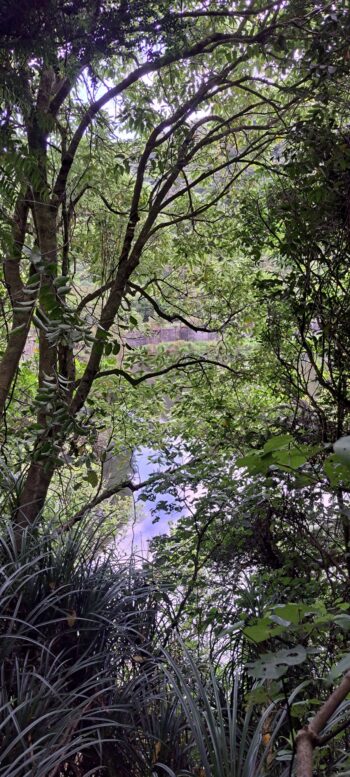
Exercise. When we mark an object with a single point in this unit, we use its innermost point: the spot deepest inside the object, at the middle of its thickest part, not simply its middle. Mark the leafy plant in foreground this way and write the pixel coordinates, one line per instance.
(231, 741)
(70, 627)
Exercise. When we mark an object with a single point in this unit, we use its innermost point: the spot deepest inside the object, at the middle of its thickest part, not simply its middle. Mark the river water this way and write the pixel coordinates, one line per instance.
(148, 520)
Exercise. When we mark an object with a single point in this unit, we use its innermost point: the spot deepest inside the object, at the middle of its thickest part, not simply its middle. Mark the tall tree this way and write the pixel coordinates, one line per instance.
(200, 92)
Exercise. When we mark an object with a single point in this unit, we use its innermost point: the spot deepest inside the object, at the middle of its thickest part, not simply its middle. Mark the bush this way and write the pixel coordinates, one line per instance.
(73, 624)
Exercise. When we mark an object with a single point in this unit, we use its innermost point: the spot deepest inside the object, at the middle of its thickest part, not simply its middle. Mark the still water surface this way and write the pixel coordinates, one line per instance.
(148, 521)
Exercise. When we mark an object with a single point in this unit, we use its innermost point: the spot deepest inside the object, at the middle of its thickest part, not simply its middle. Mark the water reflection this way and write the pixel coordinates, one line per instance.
(148, 520)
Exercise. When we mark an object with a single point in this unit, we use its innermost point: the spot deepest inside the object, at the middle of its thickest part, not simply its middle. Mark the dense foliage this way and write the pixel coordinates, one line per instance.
(174, 205)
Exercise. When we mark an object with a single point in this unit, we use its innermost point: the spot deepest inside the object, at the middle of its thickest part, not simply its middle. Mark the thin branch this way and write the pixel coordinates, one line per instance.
(177, 317)
(130, 254)
(179, 365)
(107, 494)
(203, 208)
(207, 44)
(254, 146)
(94, 295)
(105, 201)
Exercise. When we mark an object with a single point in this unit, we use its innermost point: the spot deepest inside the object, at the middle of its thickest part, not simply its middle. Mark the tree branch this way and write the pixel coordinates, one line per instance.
(94, 295)
(107, 494)
(130, 253)
(308, 738)
(197, 14)
(177, 317)
(179, 365)
(207, 44)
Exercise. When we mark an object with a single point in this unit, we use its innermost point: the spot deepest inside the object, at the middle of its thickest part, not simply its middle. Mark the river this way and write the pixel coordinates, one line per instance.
(148, 521)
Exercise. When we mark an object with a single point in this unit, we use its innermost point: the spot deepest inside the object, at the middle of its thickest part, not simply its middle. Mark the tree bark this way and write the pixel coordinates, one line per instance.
(33, 494)
(46, 219)
(309, 736)
(42, 467)
(20, 319)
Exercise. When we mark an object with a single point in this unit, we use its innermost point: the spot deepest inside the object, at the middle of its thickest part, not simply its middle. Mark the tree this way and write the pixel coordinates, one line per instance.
(188, 166)
(284, 529)
(184, 84)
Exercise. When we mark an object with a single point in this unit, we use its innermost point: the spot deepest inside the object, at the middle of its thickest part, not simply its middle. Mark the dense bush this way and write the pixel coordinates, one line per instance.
(86, 686)
(72, 625)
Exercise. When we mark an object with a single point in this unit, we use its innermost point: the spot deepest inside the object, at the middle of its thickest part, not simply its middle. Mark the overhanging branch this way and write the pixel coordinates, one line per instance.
(107, 494)
(177, 317)
(181, 364)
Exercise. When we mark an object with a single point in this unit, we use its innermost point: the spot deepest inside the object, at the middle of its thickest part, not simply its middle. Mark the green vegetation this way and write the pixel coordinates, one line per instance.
(175, 253)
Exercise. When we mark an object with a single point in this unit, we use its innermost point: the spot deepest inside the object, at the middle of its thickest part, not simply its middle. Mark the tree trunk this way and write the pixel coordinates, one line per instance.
(33, 494)
(21, 319)
(42, 467)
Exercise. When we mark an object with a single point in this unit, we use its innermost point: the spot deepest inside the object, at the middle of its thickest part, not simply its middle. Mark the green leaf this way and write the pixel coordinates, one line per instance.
(292, 612)
(116, 348)
(262, 630)
(343, 621)
(291, 458)
(92, 478)
(257, 463)
(337, 473)
(302, 480)
(342, 666)
(278, 442)
(271, 666)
